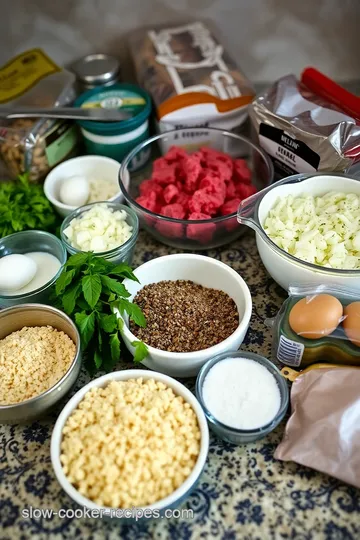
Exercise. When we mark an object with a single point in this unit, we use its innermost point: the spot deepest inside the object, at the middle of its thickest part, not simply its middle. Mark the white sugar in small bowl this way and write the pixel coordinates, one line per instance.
(229, 433)
(207, 272)
(86, 166)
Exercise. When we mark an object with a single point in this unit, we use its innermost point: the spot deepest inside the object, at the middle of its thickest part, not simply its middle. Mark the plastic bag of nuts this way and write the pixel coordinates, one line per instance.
(36, 147)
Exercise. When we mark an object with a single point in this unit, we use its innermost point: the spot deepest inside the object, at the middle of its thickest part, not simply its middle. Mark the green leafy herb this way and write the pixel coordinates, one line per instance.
(24, 206)
(97, 359)
(89, 290)
(86, 324)
(133, 311)
(70, 297)
(114, 286)
(115, 347)
(63, 281)
(141, 351)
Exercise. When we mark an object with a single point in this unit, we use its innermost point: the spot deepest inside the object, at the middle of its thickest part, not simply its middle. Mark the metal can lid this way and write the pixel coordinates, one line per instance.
(97, 68)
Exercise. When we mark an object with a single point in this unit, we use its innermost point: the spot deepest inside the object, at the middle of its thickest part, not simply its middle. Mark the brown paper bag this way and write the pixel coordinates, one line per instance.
(323, 431)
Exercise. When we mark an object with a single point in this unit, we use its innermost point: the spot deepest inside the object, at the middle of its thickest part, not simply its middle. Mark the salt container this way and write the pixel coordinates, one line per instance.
(244, 396)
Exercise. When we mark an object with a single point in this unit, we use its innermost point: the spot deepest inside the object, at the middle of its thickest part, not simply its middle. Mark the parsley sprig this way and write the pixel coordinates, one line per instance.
(24, 206)
(88, 290)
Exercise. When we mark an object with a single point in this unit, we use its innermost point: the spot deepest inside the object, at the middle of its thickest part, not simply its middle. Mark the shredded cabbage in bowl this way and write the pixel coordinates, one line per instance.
(322, 230)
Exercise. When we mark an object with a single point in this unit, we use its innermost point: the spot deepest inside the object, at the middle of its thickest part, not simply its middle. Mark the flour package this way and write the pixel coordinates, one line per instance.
(303, 132)
(192, 79)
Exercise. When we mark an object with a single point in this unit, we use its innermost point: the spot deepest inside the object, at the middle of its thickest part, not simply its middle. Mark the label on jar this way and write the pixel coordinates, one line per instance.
(126, 100)
(60, 142)
(289, 155)
(23, 72)
(290, 352)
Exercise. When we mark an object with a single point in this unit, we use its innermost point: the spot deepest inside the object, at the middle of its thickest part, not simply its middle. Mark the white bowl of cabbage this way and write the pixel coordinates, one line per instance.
(308, 229)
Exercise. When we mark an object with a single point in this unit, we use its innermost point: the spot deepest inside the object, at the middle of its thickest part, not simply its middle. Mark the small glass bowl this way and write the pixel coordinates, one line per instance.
(186, 234)
(231, 434)
(123, 253)
(25, 242)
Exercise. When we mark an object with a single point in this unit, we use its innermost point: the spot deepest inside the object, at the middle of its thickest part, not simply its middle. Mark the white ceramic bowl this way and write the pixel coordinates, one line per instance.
(173, 500)
(88, 166)
(209, 273)
(285, 269)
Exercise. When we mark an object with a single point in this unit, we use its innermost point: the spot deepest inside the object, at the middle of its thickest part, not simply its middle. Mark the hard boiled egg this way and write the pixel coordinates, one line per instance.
(16, 271)
(74, 191)
(316, 316)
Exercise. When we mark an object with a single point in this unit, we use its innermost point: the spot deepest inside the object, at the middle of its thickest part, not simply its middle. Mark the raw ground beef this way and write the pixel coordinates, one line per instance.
(202, 185)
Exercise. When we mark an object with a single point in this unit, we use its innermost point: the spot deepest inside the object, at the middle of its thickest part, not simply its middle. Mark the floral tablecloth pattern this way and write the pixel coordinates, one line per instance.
(243, 493)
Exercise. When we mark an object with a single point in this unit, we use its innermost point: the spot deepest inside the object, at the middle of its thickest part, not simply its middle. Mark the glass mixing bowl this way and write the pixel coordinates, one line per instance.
(284, 268)
(122, 253)
(206, 233)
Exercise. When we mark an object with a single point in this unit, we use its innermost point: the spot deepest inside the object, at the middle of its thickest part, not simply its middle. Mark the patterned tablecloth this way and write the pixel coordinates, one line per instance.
(243, 493)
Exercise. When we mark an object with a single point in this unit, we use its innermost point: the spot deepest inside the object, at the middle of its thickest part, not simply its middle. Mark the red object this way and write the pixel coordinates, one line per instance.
(173, 211)
(242, 172)
(230, 207)
(148, 186)
(245, 190)
(195, 187)
(321, 85)
(148, 201)
(203, 232)
(170, 229)
(170, 193)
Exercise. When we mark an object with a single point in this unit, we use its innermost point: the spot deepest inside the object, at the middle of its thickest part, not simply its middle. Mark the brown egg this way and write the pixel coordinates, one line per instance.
(351, 323)
(316, 316)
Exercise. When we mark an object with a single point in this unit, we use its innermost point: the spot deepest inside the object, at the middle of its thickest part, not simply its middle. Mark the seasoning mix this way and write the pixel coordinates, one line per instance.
(183, 316)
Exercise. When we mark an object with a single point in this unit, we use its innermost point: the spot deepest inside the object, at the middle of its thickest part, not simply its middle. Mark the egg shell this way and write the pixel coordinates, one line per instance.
(351, 323)
(74, 191)
(16, 271)
(316, 316)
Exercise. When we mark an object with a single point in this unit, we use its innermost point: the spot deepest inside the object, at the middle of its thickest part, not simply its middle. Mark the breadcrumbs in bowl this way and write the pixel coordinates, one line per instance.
(40, 360)
(130, 439)
(32, 360)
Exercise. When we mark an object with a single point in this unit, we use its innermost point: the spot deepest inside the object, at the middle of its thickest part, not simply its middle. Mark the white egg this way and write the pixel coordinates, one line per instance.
(75, 191)
(16, 271)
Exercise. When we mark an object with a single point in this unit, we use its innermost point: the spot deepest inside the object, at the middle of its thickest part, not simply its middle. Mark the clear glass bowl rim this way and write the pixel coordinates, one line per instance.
(125, 163)
(116, 206)
(264, 362)
(52, 280)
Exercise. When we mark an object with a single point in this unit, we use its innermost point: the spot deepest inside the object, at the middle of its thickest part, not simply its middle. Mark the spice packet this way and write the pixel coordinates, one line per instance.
(303, 132)
(323, 429)
(317, 323)
(35, 146)
(191, 77)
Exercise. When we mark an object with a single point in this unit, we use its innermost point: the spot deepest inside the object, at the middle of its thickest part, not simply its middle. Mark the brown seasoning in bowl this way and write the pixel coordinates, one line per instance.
(183, 316)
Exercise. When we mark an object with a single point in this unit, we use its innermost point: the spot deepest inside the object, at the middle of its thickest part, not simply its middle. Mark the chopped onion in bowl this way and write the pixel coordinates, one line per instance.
(99, 229)
(323, 230)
